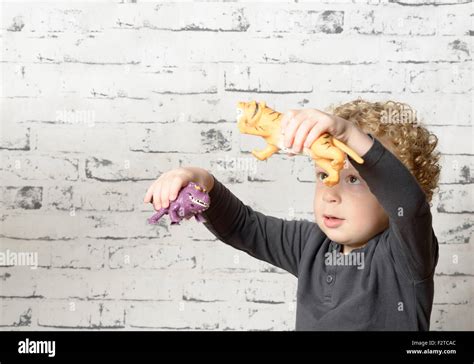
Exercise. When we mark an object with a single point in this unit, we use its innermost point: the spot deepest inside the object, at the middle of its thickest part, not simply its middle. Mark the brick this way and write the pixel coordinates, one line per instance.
(275, 169)
(453, 290)
(228, 167)
(60, 198)
(217, 257)
(451, 317)
(436, 109)
(81, 253)
(41, 250)
(261, 317)
(210, 289)
(394, 20)
(80, 314)
(238, 48)
(443, 79)
(15, 137)
(48, 226)
(186, 17)
(457, 169)
(453, 228)
(453, 50)
(152, 256)
(294, 77)
(454, 260)
(25, 197)
(62, 17)
(107, 168)
(95, 196)
(111, 315)
(111, 226)
(428, 2)
(454, 21)
(116, 285)
(187, 230)
(38, 167)
(391, 20)
(86, 112)
(261, 197)
(65, 283)
(168, 138)
(79, 137)
(114, 81)
(18, 281)
(16, 313)
(454, 139)
(304, 169)
(142, 285)
(65, 314)
(456, 198)
(287, 20)
(172, 315)
(108, 197)
(261, 79)
(275, 288)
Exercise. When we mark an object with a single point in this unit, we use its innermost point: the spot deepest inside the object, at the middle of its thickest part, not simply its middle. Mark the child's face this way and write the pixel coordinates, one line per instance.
(361, 215)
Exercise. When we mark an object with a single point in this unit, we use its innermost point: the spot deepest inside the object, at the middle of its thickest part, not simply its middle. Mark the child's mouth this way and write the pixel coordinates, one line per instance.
(331, 221)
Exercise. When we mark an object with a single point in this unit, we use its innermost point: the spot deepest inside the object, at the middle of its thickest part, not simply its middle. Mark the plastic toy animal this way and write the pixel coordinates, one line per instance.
(192, 200)
(256, 118)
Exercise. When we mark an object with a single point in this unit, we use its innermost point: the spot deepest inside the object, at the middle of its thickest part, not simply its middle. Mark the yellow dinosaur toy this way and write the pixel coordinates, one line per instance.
(256, 118)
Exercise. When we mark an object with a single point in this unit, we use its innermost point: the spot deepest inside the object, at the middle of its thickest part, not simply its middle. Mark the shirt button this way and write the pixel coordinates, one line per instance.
(329, 279)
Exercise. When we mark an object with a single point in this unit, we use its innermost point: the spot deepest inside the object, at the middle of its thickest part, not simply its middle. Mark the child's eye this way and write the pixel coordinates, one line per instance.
(353, 180)
(321, 176)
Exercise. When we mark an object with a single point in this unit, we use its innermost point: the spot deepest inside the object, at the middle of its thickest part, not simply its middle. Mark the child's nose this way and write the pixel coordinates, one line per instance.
(331, 194)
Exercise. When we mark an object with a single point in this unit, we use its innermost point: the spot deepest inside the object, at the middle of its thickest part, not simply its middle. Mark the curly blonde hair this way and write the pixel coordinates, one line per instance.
(395, 123)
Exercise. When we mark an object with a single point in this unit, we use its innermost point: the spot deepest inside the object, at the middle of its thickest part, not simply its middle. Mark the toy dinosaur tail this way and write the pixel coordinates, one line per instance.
(347, 150)
(158, 215)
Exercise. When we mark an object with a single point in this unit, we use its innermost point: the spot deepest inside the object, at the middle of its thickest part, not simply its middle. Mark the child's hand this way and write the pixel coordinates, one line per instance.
(301, 128)
(168, 185)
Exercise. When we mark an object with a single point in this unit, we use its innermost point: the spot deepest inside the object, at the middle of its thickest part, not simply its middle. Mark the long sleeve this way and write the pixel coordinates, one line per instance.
(276, 241)
(414, 247)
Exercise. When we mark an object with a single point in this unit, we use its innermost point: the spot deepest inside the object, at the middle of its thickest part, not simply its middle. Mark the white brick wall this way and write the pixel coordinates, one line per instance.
(99, 98)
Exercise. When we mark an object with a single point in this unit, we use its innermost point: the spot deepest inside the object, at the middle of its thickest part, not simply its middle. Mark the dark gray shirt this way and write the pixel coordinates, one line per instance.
(393, 291)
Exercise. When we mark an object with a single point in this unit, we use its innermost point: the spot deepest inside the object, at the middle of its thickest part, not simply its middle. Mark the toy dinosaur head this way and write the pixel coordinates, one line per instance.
(196, 198)
(257, 118)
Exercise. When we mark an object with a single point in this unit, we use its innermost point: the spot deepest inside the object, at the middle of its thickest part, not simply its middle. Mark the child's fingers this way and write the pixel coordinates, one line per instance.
(163, 190)
(322, 126)
(165, 194)
(149, 193)
(286, 118)
(301, 135)
(291, 128)
(157, 197)
(175, 187)
(314, 134)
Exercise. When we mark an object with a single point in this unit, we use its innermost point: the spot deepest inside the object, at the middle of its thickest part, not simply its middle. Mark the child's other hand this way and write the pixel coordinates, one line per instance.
(166, 188)
(301, 128)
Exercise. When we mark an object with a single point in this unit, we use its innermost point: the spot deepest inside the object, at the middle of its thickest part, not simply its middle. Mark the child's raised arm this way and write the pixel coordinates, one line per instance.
(410, 221)
(277, 241)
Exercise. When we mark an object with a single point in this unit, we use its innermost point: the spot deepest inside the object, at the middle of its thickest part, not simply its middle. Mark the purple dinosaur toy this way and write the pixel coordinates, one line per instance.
(192, 200)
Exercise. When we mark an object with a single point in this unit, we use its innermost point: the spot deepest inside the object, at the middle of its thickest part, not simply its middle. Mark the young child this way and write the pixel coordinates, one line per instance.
(369, 260)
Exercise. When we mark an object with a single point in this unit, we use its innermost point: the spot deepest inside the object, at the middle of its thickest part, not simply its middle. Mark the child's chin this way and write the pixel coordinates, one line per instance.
(335, 235)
